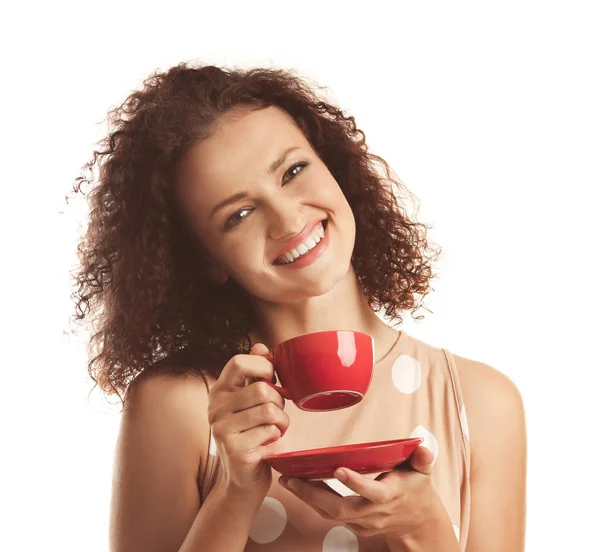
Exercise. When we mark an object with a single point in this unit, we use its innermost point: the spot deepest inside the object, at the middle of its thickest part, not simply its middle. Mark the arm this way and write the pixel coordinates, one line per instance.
(155, 504)
(497, 431)
(223, 523)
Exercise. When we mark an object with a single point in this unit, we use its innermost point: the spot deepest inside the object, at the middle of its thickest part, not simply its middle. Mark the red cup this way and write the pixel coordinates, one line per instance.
(326, 370)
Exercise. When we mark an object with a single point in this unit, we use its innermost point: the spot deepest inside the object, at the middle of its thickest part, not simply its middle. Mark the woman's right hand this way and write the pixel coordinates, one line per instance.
(245, 418)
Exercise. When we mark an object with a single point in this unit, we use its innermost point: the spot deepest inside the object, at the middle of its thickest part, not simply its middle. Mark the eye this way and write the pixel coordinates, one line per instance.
(300, 165)
(233, 220)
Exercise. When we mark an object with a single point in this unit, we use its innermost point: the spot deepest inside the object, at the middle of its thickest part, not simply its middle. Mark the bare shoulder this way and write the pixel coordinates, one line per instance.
(497, 432)
(482, 382)
(176, 404)
(492, 403)
(164, 385)
(161, 446)
(490, 396)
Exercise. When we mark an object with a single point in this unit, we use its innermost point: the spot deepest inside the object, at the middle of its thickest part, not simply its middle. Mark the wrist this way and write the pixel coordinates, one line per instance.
(235, 494)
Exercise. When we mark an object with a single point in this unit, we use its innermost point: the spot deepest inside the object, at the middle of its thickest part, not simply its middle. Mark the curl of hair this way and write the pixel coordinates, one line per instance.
(142, 281)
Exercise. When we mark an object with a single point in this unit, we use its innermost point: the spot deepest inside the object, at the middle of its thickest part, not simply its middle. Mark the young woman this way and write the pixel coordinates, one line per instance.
(234, 210)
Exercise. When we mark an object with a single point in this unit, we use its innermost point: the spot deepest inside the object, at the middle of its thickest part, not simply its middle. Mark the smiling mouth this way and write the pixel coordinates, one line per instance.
(324, 224)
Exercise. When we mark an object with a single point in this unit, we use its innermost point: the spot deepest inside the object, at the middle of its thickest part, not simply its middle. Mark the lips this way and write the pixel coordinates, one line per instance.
(300, 238)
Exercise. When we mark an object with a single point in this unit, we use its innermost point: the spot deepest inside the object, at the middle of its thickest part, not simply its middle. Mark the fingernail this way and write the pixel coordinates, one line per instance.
(341, 476)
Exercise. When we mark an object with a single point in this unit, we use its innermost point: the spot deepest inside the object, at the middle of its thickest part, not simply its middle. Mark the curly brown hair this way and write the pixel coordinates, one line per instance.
(142, 280)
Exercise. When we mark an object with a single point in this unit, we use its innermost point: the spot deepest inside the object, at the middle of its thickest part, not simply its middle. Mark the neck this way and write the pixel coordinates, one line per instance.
(344, 307)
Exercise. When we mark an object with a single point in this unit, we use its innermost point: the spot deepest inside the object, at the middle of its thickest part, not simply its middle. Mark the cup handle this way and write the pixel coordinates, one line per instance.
(283, 392)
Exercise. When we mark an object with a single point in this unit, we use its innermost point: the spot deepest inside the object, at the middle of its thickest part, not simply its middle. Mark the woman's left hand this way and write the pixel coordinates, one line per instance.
(400, 505)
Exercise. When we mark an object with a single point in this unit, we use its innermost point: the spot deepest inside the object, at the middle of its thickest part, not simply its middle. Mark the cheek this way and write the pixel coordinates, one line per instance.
(340, 206)
(325, 192)
(245, 254)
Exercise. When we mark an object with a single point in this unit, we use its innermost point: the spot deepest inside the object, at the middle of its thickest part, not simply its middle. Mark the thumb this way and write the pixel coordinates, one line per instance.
(422, 460)
(262, 350)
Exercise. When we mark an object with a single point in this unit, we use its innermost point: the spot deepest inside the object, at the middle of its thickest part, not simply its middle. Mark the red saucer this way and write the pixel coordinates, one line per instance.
(321, 463)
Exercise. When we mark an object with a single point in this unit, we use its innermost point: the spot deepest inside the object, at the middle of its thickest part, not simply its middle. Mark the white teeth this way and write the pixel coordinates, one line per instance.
(304, 248)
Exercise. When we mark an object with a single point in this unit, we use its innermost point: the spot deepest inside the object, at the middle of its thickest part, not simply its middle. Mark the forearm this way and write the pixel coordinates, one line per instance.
(223, 522)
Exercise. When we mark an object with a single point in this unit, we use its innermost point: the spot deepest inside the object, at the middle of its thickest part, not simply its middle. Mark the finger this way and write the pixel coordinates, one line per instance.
(330, 505)
(422, 460)
(260, 392)
(241, 367)
(320, 511)
(252, 440)
(266, 413)
(247, 397)
(262, 350)
(377, 491)
(225, 404)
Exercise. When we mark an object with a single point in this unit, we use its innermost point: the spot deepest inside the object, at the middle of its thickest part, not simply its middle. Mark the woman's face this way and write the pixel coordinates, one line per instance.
(244, 236)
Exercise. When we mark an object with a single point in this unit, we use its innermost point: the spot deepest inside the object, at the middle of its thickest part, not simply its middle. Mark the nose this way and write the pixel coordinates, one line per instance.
(284, 219)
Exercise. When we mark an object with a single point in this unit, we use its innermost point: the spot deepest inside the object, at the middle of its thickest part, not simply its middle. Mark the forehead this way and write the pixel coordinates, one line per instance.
(236, 154)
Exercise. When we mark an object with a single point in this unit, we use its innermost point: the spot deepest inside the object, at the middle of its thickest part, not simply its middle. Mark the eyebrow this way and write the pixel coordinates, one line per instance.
(241, 195)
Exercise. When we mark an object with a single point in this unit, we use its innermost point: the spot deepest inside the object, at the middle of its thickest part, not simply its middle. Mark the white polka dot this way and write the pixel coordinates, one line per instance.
(269, 522)
(340, 539)
(463, 421)
(406, 374)
(429, 440)
(339, 487)
(456, 532)
(212, 446)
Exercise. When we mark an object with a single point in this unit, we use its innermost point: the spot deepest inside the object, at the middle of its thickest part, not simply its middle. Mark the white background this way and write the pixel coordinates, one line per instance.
(488, 111)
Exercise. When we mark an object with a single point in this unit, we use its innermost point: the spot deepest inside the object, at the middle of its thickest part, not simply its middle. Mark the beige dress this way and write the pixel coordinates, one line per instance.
(415, 392)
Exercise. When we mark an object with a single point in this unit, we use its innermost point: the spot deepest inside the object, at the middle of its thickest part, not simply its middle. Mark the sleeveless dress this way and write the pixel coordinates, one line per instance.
(415, 392)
